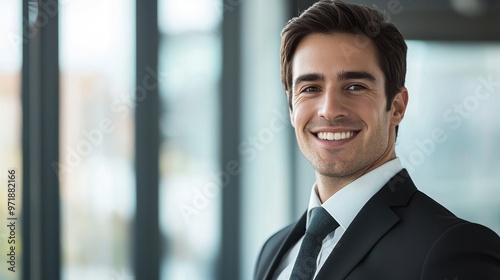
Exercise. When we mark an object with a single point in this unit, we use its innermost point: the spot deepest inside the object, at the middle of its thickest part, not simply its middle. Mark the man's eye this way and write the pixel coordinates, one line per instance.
(310, 89)
(356, 87)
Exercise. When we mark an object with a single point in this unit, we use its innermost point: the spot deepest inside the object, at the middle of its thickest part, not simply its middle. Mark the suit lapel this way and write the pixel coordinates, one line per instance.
(292, 238)
(364, 232)
(374, 220)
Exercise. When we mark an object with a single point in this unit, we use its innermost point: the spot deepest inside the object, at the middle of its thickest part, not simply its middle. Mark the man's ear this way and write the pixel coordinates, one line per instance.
(291, 117)
(290, 109)
(398, 107)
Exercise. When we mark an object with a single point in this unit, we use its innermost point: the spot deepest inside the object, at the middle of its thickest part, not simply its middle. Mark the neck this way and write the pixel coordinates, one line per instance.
(327, 186)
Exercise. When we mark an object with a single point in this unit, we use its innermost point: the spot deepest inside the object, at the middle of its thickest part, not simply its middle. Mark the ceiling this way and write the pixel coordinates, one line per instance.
(443, 20)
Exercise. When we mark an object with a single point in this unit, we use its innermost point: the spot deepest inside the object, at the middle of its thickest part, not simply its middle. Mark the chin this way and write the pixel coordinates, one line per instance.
(332, 172)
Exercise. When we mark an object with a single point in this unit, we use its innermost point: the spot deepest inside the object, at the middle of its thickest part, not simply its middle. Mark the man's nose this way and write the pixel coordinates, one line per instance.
(332, 105)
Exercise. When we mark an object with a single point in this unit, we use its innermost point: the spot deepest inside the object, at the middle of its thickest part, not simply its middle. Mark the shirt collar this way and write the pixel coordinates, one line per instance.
(345, 204)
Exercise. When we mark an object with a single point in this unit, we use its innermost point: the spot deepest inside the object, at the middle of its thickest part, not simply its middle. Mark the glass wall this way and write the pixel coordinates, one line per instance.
(96, 142)
(189, 74)
(449, 137)
(265, 143)
(10, 135)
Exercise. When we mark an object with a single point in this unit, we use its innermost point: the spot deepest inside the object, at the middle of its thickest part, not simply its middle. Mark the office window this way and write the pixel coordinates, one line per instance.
(96, 142)
(265, 150)
(189, 74)
(10, 134)
(449, 138)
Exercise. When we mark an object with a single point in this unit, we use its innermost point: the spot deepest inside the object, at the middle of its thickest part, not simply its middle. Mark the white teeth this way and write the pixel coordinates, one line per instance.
(335, 136)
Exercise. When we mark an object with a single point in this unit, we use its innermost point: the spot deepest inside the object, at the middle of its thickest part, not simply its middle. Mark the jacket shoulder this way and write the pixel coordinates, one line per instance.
(269, 250)
(445, 246)
(463, 251)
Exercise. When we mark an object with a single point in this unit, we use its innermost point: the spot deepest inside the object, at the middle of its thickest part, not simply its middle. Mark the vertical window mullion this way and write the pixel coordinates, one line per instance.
(146, 238)
(229, 266)
(25, 88)
(41, 228)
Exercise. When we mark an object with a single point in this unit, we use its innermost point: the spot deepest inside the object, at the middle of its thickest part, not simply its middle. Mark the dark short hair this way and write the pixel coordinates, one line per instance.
(330, 17)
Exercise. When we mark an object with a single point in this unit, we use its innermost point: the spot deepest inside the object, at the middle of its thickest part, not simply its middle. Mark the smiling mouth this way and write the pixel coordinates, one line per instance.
(336, 136)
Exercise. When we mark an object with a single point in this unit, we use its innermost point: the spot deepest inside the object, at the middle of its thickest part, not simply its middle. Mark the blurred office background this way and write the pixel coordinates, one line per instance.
(152, 138)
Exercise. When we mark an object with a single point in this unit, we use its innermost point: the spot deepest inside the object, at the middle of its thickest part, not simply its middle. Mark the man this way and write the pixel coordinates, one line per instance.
(344, 69)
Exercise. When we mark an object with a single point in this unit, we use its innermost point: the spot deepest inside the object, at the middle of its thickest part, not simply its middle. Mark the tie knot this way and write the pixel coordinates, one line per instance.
(322, 223)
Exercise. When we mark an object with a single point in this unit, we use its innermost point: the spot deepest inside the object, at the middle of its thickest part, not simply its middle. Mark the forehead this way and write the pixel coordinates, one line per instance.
(330, 54)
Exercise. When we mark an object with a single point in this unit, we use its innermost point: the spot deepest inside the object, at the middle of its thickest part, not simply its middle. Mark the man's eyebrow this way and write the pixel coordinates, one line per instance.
(310, 77)
(347, 75)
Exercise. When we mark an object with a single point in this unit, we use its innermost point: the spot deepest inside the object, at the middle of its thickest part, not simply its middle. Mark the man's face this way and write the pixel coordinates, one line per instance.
(339, 105)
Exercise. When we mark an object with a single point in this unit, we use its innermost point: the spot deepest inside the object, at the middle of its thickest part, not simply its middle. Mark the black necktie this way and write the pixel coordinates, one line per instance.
(322, 223)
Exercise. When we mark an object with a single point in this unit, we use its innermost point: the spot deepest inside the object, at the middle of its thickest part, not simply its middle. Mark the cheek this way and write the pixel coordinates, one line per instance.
(304, 107)
(381, 124)
(373, 114)
(298, 121)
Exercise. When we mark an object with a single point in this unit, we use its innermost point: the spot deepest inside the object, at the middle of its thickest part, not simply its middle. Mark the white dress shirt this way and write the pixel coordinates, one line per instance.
(344, 205)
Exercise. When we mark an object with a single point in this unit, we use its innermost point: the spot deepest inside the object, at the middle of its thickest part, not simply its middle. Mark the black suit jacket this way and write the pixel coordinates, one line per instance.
(399, 234)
